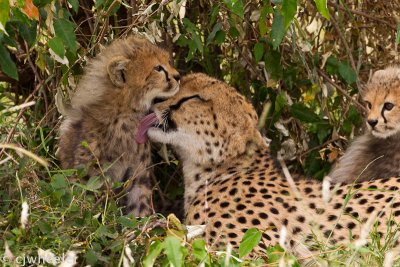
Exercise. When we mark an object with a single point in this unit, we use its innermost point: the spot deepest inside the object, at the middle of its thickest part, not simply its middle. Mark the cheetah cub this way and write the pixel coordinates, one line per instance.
(116, 91)
(376, 154)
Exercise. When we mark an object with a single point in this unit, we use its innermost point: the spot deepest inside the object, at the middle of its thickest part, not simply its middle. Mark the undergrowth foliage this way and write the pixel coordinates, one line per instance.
(300, 62)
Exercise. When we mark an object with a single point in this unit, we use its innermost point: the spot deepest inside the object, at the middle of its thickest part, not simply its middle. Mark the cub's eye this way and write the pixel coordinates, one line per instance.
(159, 68)
(369, 106)
(388, 106)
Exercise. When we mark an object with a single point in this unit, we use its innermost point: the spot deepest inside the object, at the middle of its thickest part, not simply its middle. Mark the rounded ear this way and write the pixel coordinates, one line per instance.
(116, 69)
(377, 74)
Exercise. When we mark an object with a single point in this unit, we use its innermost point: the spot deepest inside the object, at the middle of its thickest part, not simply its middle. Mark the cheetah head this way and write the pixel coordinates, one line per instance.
(382, 98)
(207, 122)
(131, 72)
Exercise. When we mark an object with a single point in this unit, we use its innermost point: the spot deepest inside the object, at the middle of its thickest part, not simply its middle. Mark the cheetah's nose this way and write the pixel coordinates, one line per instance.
(177, 77)
(372, 123)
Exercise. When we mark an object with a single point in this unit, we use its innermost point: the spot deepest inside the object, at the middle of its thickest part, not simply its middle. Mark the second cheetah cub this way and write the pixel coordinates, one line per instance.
(116, 91)
(376, 154)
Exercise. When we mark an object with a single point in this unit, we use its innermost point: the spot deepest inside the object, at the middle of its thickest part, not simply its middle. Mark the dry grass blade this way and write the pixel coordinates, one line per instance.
(26, 153)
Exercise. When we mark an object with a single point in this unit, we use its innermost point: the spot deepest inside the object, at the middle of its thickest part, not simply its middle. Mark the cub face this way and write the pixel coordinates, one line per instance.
(141, 72)
(382, 98)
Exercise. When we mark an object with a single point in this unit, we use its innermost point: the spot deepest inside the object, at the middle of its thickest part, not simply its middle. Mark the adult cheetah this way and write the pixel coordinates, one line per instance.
(232, 183)
(117, 90)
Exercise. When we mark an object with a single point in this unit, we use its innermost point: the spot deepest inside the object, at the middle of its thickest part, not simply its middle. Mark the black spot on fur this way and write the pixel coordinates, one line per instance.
(301, 219)
(351, 225)
(296, 230)
(274, 211)
(259, 204)
(233, 191)
(240, 207)
(332, 217)
(241, 219)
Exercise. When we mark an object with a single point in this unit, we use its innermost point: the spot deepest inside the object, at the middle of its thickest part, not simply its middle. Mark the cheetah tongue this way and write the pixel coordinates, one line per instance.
(144, 124)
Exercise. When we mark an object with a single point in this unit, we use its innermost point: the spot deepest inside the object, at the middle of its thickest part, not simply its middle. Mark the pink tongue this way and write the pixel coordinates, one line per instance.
(144, 125)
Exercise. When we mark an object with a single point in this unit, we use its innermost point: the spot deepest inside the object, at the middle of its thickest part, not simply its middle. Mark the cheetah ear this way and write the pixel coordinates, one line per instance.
(377, 74)
(116, 69)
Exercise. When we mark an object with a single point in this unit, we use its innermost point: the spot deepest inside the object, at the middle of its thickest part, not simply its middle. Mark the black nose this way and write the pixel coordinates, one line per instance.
(177, 77)
(372, 123)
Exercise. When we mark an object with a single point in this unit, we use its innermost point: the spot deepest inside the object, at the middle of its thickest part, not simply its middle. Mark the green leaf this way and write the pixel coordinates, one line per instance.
(58, 181)
(94, 183)
(250, 239)
(236, 7)
(127, 222)
(64, 29)
(217, 27)
(398, 34)
(353, 118)
(7, 64)
(214, 14)
(275, 253)
(99, 3)
(44, 227)
(280, 102)
(278, 29)
(322, 8)
(220, 37)
(154, 250)
(28, 31)
(102, 231)
(195, 43)
(172, 247)
(199, 249)
(289, 8)
(56, 44)
(91, 257)
(233, 32)
(74, 4)
(303, 113)
(4, 13)
(273, 64)
(323, 131)
(258, 51)
(347, 73)
(262, 24)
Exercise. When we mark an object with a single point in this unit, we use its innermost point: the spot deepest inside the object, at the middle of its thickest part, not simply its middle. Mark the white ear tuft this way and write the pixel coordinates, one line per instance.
(116, 69)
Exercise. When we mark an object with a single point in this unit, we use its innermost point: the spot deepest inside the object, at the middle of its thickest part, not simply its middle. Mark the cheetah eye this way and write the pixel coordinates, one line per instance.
(369, 106)
(159, 68)
(388, 106)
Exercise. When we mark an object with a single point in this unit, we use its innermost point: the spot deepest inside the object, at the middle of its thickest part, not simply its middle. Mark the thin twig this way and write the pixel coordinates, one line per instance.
(18, 107)
(346, 45)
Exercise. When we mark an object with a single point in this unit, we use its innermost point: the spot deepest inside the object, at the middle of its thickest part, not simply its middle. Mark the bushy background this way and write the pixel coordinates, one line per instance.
(300, 62)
